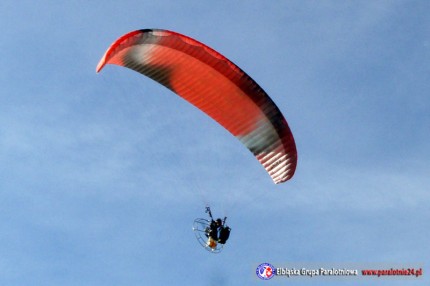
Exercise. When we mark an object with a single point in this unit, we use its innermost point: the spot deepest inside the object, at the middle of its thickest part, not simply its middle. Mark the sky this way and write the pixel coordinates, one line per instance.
(102, 175)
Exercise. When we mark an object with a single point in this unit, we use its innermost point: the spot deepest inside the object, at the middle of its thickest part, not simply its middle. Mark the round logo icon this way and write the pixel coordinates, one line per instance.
(265, 271)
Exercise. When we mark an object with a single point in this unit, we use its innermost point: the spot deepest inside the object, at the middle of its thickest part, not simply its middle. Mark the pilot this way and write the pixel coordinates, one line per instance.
(214, 229)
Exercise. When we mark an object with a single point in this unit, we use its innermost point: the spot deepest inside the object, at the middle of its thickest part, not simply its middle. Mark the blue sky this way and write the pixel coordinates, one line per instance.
(101, 175)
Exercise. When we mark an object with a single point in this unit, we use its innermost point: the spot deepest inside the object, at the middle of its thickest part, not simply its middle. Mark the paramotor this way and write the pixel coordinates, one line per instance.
(201, 228)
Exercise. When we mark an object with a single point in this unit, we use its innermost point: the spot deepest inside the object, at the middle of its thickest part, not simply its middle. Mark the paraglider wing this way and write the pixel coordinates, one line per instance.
(216, 86)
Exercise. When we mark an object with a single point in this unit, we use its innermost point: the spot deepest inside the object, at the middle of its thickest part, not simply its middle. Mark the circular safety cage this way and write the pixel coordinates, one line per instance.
(201, 228)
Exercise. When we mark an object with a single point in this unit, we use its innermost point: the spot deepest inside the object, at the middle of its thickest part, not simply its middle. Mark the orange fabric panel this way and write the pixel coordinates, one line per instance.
(216, 86)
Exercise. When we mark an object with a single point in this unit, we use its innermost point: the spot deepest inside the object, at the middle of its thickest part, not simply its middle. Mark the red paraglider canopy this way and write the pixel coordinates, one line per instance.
(215, 85)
